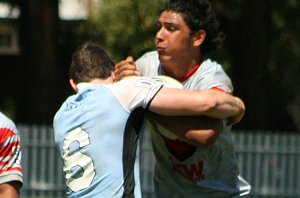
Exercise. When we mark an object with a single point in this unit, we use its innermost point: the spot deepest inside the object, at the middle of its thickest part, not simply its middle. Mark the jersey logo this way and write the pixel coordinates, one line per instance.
(179, 149)
(192, 173)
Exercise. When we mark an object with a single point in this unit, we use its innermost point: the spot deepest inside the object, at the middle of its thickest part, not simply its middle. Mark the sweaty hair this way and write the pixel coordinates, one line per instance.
(199, 14)
(90, 61)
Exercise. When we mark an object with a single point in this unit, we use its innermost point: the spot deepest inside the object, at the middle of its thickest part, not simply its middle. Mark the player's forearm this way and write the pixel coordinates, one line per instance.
(211, 103)
(195, 130)
(204, 136)
(225, 106)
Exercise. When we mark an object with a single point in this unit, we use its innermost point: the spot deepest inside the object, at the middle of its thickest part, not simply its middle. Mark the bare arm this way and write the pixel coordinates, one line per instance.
(198, 130)
(10, 189)
(211, 103)
(195, 130)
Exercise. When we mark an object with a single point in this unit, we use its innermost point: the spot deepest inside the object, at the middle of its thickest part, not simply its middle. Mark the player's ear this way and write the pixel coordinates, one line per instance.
(199, 37)
(73, 85)
(113, 77)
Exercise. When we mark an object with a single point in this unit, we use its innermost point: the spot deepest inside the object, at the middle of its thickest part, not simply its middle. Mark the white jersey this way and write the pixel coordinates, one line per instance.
(183, 170)
(10, 151)
(97, 133)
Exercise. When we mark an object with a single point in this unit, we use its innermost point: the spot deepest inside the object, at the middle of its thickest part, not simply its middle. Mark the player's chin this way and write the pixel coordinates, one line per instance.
(164, 55)
(168, 62)
(164, 58)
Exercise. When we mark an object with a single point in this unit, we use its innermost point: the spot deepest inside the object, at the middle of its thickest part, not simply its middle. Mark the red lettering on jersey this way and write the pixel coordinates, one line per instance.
(192, 173)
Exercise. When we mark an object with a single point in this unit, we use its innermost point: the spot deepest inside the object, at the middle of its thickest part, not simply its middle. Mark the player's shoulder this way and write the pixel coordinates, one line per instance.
(133, 81)
(148, 64)
(167, 81)
(6, 122)
(149, 58)
(4, 118)
(211, 67)
(141, 80)
(209, 63)
(150, 54)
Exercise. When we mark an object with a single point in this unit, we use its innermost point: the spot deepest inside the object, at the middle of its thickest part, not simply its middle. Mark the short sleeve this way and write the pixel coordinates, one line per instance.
(135, 92)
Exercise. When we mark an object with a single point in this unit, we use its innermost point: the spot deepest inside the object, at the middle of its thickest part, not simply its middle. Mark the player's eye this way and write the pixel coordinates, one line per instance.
(170, 28)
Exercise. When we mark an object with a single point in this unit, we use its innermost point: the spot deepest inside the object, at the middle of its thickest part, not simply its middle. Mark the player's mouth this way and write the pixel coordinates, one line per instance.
(160, 49)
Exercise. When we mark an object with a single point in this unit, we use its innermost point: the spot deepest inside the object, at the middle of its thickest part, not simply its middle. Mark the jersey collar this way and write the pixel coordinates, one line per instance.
(189, 74)
(83, 85)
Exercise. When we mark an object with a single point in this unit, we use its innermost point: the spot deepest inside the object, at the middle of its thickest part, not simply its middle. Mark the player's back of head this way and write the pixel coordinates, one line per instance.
(90, 61)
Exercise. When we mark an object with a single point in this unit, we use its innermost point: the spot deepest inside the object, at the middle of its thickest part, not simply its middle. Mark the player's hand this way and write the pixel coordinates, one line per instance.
(238, 117)
(125, 68)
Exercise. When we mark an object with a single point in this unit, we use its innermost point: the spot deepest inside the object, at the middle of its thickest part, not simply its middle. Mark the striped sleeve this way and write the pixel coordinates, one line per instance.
(10, 156)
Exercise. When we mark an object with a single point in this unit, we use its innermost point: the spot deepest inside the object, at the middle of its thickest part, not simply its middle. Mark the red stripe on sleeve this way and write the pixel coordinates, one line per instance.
(218, 89)
(19, 169)
(5, 133)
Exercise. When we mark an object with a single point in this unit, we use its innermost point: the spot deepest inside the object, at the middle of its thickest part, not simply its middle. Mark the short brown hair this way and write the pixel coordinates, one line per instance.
(90, 61)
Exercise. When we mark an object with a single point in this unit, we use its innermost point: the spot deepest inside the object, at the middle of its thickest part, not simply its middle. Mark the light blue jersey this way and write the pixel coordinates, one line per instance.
(97, 133)
(185, 171)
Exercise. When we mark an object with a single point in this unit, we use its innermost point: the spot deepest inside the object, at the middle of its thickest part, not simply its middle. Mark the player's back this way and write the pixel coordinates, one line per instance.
(92, 123)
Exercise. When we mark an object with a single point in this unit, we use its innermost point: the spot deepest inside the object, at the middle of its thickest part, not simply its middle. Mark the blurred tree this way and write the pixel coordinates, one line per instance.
(285, 60)
(259, 36)
(125, 27)
(248, 42)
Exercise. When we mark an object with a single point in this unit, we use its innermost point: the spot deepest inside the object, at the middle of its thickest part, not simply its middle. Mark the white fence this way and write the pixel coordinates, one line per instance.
(269, 161)
(42, 167)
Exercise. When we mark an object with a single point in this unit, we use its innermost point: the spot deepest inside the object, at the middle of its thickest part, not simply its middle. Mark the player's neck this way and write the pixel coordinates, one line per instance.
(181, 70)
(108, 80)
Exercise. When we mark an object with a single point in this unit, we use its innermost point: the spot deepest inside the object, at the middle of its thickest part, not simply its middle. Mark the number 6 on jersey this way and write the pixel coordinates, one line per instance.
(80, 176)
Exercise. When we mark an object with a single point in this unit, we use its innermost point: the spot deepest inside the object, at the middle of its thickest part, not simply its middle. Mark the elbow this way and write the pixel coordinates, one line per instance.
(211, 105)
(212, 100)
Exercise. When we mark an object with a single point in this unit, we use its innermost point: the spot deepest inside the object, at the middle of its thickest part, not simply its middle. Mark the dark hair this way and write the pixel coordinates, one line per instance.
(199, 14)
(90, 61)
